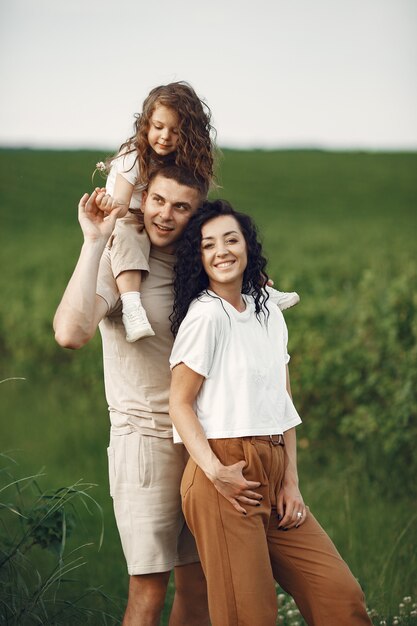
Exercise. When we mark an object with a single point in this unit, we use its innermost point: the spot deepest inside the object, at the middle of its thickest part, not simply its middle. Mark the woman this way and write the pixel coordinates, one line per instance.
(231, 405)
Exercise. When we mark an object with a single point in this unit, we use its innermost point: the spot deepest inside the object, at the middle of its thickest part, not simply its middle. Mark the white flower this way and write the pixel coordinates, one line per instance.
(100, 166)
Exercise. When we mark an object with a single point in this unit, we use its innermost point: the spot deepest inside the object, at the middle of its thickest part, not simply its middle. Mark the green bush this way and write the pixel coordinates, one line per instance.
(36, 565)
(358, 380)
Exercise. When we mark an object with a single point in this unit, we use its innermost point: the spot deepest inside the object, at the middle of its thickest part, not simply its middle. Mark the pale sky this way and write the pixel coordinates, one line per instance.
(276, 73)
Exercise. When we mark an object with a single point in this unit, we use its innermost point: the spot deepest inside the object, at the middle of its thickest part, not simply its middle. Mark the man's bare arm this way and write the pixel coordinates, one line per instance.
(81, 309)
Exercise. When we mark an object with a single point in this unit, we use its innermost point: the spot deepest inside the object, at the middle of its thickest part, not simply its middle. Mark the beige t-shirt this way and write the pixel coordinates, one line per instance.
(137, 375)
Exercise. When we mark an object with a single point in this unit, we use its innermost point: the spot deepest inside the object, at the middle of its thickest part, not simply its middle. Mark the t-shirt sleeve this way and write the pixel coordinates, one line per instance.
(291, 417)
(106, 284)
(195, 343)
(285, 340)
(128, 166)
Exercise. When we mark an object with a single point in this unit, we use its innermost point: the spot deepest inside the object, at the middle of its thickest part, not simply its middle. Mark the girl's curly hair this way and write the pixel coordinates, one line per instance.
(196, 135)
(190, 278)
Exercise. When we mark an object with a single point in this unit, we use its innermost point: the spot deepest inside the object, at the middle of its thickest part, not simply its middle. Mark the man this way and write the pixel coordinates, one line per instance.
(145, 467)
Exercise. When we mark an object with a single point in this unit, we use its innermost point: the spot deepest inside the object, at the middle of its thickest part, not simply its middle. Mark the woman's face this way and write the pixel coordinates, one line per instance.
(223, 251)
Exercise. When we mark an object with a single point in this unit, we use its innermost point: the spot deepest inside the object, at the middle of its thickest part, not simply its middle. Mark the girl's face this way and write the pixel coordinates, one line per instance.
(223, 251)
(163, 130)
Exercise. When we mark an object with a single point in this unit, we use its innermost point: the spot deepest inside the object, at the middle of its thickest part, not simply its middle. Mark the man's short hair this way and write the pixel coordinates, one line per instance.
(182, 176)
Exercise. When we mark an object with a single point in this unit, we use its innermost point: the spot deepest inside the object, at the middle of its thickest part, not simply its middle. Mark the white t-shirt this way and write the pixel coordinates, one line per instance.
(243, 362)
(128, 166)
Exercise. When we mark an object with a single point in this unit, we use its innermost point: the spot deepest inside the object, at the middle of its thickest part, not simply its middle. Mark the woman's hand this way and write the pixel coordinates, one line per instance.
(290, 506)
(232, 485)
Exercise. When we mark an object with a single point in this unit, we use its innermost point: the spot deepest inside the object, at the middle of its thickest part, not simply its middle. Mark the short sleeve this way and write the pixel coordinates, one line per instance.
(127, 165)
(285, 340)
(274, 297)
(106, 284)
(195, 343)
(291, 417)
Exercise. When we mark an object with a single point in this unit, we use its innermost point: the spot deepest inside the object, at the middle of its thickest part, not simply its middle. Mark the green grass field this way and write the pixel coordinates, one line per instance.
(339, 228)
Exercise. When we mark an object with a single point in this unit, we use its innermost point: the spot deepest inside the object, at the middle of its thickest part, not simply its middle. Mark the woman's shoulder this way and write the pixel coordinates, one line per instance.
(203, 320)
(205, 302)
(206, 307)
(270, 313)
(266, 305)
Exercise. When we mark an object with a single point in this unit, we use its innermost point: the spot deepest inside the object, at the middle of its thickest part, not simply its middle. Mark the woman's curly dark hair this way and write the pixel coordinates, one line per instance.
(190, 277)
(196, 136)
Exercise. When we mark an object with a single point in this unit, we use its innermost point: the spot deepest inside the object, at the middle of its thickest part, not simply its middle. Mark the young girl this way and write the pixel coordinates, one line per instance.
(230, 403)
(174, 126)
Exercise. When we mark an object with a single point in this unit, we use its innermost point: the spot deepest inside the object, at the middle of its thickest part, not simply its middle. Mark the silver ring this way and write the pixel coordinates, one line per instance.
(299, 514)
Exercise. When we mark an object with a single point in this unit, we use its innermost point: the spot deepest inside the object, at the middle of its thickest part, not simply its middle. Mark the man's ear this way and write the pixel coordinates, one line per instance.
(142, 204)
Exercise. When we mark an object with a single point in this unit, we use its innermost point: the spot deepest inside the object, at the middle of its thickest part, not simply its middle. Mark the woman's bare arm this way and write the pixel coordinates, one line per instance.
(228, 480)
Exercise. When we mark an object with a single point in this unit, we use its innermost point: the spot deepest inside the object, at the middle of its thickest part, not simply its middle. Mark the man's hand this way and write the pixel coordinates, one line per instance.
(290, 506)
(105, 202)
(97, 215)
(232, 485)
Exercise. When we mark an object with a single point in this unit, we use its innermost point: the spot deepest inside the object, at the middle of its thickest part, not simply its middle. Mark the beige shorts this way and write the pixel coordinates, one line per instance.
(145, 475)
(129, 245)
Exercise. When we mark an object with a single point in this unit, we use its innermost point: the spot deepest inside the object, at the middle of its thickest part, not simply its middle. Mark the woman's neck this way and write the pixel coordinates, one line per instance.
(232, 293)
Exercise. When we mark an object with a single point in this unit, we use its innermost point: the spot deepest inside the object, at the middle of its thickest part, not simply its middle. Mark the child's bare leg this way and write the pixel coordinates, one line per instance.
(130, 280)
(134, 315)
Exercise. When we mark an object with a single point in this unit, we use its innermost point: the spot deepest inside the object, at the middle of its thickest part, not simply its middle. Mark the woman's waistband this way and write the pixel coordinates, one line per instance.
(275, 440)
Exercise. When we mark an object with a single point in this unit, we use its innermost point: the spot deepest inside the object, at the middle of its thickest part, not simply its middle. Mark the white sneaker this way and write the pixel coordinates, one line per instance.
(285, 300)
(136, 323)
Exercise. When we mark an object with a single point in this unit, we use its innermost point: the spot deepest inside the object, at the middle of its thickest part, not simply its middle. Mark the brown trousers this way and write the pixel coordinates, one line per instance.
(242, 556)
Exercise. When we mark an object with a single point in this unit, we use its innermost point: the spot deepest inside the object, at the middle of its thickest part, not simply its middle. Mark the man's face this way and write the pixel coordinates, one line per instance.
(167, 207)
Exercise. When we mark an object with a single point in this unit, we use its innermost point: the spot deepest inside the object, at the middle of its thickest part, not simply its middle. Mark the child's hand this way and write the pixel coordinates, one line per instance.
(106, 203)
